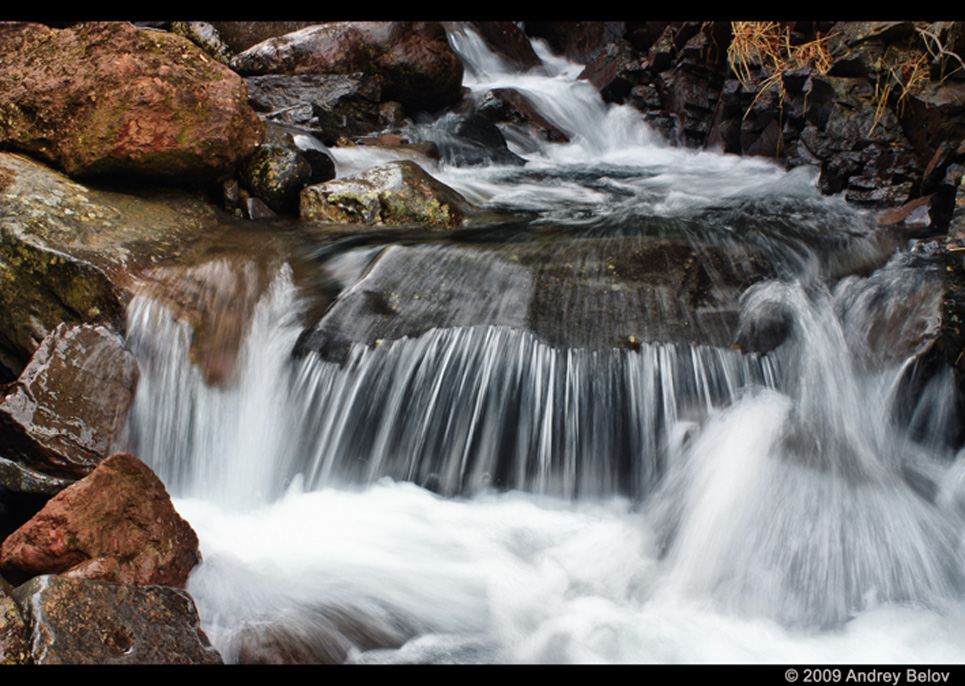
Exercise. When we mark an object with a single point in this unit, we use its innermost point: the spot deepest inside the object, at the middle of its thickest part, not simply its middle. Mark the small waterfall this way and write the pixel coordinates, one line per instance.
(476, 493)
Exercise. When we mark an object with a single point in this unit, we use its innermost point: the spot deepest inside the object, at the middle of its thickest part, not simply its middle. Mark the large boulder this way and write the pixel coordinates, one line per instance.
(413, 59)
(109, 98)
(117, 524)
(391, 194)
(80, 622)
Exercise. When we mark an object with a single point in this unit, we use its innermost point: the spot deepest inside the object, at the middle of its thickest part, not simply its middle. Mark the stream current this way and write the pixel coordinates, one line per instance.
(483, 491)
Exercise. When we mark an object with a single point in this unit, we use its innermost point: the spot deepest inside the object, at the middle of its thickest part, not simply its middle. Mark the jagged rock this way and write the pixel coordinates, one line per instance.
(396, 193)
(82, 622)
(412, 59)
(109, 98)
(67, 410)
(116, 524)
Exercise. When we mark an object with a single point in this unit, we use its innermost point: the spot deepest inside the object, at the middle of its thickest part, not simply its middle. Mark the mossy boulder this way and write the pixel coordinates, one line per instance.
(109, 98)
(70, 253)
(397, 193)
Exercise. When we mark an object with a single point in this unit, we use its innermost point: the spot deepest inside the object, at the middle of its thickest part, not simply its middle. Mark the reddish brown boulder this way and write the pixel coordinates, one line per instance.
(107, 97)
(67, 410)
(413, 59)
(117, 524)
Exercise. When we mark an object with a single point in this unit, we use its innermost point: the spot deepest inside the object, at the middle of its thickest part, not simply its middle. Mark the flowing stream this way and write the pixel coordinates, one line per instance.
(484, 491)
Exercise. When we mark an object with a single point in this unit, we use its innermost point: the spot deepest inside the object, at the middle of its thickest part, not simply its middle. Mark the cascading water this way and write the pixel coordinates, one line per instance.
(477, 493)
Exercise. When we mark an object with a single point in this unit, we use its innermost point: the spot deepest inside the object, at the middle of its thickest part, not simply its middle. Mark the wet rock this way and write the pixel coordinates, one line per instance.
(412, 59)
(216, 300)
(14, 637)
(67, 410)
(510, 105)
(205, 36)
(81, 622)
(70, 253)
(508, 41)
(241, 35)
(111, 99)
(276, 174)
(611, 293)
(117, 524)
(576, 40)
(317, 636)
(467, 140)
(616, 71)
(330, 105)
(396, 193)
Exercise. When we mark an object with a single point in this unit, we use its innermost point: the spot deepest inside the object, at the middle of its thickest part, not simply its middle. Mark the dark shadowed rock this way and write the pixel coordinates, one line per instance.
(67, 410)
(81, 622)
(276, 174)
(117, 524)
(109, 98)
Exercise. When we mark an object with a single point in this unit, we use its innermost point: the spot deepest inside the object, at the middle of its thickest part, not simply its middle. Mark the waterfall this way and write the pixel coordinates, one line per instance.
(479, 492)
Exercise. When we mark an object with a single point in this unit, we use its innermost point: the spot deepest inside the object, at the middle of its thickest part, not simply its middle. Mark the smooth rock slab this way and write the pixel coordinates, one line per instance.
(75, 621)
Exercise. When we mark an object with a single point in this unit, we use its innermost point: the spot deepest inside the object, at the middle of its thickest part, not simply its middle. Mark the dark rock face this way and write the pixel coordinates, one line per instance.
(80, 622)
(67, 410)
(117, 524)
(109, 98)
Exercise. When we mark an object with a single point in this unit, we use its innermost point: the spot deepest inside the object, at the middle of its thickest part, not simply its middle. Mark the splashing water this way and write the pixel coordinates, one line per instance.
(476, 494)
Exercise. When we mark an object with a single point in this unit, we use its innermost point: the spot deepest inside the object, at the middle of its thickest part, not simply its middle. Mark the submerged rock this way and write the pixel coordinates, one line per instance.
(81, 622)
(117, 524)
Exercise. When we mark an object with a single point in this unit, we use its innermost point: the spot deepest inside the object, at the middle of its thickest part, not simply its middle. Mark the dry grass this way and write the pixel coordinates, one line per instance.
(765, 48)
(766, 45)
